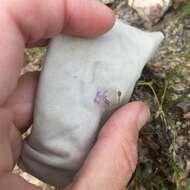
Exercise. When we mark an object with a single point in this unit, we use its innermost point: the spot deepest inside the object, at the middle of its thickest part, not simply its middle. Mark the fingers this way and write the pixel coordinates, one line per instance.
(10, 142)
(87, 18)
(14, 182)
(17, 112)
(113, 159)
(11, 57)
(40, 43)
(21, 103)
(28, 22)
(10, 147)
(43, 19)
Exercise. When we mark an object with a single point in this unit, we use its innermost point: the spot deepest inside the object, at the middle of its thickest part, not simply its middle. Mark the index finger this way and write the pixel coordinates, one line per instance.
(25, 22)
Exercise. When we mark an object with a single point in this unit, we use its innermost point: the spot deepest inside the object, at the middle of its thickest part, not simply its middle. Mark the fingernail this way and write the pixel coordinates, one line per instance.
(143, 116)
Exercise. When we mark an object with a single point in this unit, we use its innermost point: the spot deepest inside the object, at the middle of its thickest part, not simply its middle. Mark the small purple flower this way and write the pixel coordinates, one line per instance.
(101, 96)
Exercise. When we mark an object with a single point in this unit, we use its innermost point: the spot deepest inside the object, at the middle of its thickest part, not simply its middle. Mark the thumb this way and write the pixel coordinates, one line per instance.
(113, 158)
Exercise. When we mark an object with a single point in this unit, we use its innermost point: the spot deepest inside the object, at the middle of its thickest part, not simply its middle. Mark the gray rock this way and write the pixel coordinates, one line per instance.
(150, 10)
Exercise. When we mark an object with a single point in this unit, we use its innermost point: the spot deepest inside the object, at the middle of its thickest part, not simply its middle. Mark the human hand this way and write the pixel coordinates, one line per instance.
(112, 161)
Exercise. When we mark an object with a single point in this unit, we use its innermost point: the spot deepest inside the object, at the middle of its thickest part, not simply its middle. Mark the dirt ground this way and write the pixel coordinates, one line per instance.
(164, 151)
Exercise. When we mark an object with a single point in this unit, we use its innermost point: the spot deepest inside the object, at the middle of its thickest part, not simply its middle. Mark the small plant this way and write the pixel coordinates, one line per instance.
(159, 102)
(166, 173)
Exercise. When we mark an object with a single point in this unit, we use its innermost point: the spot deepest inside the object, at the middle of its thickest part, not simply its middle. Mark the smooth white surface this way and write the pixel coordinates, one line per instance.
(67, 117)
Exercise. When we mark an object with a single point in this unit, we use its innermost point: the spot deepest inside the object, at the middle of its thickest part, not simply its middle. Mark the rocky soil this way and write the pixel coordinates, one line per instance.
(165, 140)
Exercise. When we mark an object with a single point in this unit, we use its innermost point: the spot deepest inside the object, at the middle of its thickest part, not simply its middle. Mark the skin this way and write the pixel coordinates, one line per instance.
(113, 159)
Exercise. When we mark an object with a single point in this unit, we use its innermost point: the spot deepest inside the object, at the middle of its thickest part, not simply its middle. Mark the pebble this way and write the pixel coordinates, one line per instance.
(150, 10)
(185, 106)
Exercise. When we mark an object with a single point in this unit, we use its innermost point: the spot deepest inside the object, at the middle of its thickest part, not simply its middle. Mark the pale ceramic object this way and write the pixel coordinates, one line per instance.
(150, 10)
(83, 81)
